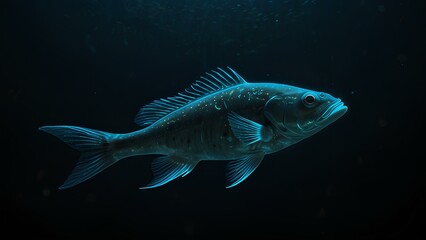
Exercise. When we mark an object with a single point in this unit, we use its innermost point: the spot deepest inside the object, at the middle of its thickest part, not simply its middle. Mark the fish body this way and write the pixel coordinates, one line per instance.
(219, 117)
(201, 130)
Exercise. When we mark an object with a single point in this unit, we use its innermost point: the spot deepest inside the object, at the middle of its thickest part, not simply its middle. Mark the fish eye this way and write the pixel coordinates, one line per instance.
(309, 99)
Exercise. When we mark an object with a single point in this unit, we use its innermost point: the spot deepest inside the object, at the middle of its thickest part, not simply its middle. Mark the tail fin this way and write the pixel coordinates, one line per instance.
(96, 152)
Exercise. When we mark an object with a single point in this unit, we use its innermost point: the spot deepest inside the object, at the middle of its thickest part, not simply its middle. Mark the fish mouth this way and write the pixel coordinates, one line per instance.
(333, 112)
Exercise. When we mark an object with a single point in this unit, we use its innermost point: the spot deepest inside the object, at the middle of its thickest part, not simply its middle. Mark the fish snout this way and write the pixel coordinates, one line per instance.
(333, 112)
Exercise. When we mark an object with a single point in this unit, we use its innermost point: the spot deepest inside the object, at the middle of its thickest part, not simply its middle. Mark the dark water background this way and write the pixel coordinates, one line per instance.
(95, 63)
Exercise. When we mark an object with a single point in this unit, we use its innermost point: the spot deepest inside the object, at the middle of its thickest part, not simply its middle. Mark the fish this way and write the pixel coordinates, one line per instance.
(219, 117)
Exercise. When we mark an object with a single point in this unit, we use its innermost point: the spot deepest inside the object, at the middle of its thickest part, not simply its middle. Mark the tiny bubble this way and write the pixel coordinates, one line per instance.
(401, 58)
(360, 161)
(330, 191)
(322, 212)
(40, 175)
(46, 192)
(92, 49)
(382, 123)
(90, 198)
(189, 229)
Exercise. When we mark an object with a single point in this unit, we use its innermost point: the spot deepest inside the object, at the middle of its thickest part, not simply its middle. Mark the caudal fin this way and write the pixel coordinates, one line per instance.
(95, 148)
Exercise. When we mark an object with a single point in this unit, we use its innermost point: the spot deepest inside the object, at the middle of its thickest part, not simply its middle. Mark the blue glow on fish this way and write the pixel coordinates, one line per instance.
(224, 103)
(256, 119)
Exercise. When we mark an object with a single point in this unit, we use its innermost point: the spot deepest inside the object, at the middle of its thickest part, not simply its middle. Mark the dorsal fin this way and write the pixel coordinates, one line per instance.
(208, 83)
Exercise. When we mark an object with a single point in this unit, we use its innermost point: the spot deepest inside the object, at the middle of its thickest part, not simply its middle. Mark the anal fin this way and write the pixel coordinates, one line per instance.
(238, 170)
(168, 168)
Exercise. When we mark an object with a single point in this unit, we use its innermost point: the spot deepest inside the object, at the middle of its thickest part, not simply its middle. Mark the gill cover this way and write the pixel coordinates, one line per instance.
(285, 114)
(275, 111)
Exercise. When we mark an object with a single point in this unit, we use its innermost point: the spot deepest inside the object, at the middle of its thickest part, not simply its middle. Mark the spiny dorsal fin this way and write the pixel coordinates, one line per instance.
(211, 82)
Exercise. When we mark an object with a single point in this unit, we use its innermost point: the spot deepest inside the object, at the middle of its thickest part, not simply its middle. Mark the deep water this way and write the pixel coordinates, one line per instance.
(95, 63)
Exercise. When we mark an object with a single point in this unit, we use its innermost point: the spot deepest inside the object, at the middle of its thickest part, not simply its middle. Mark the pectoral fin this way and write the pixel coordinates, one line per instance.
(168, 168)
(248, 131)
(239, 170)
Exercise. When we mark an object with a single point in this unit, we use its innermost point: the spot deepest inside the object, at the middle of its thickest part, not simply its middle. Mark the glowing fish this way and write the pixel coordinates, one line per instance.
(219, 117)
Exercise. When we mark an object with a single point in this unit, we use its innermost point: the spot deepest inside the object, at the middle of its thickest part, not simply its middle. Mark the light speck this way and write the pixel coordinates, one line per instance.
(382, 122)
(46, 192)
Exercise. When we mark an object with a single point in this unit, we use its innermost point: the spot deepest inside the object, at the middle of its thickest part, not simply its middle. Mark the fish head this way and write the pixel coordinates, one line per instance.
(299, 113)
